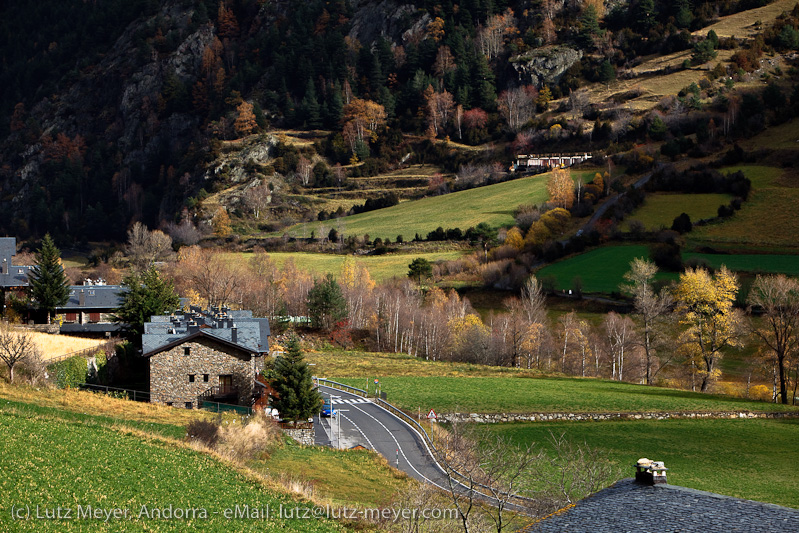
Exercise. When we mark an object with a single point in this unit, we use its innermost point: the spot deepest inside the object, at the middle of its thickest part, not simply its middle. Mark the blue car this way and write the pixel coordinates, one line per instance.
(327, 410)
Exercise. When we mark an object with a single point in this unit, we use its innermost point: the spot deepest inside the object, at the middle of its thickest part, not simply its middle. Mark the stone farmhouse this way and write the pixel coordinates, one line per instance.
(205, 356)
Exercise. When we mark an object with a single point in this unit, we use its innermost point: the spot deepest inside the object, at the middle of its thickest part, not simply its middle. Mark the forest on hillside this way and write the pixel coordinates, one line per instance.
(111, 112)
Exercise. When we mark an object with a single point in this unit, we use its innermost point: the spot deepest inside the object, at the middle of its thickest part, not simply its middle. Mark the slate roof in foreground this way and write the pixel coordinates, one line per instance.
(628, 506)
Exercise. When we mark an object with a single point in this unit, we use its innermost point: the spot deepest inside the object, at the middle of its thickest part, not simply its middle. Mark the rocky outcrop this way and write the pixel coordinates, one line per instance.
(544, 66)
(396, 21)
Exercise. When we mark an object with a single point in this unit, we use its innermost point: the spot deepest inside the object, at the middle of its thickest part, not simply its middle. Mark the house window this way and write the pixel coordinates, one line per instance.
(94, 317)
(186, 350)
(191, 378)
(71, 317)
(189, 405)
(169, 404)
(205, 378)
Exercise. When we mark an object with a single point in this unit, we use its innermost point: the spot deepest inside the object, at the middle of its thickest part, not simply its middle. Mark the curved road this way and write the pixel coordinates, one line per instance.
(367, 424)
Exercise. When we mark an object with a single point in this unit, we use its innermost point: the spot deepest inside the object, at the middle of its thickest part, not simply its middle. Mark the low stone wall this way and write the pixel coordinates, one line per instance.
(303, 436)
(494, 418)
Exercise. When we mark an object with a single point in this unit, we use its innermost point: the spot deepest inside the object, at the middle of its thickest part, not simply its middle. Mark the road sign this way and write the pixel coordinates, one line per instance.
(376, 382)
(432, 415)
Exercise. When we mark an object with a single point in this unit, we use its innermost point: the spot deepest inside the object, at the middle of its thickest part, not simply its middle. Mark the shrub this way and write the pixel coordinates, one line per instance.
(249, 439)
(69, 372)
(204, 431)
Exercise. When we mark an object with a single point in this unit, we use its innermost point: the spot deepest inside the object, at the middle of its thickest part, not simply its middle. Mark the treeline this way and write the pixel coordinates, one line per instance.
(676, 335)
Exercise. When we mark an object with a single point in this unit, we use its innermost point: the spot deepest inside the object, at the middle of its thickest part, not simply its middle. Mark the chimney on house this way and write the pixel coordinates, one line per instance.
(234, 335)
(650, 472)
(4, 269)
(82, 298)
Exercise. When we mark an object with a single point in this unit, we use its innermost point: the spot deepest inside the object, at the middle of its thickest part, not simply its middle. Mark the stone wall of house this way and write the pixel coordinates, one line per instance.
(170, 371)
(493, 418)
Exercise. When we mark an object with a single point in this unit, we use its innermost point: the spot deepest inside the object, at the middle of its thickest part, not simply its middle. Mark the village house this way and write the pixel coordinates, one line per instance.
(205, 356)
(13, 279)
(90, 308)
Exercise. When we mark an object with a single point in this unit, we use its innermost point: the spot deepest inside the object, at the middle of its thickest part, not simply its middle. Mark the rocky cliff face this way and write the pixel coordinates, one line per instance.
(545, 65)
(395, 21)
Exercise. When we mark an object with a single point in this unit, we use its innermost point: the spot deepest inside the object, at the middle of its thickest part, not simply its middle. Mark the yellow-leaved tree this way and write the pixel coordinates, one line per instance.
(560, 187)
(357, 286)
(705, 304)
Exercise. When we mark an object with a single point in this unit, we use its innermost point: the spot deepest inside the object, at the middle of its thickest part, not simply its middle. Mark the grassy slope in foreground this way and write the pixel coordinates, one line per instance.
(753, 459)
(380, 267)
(52, 462)
(492, 204)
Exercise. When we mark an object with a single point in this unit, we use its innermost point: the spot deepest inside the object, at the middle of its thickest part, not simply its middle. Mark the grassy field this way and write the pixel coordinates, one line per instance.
(493, 204)
(366, 365)
(49, 463)
(380, 267)
(767, 220)
(346, 477)
(754, 263)
(781, 137)
(742, 24)
(660, 210)
(601, 269)
(520, 395)
(51, 346)
(742, 458)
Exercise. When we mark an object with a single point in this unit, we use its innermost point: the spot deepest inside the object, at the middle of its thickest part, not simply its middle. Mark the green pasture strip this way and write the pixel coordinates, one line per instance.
(530, 395)
(752, 459)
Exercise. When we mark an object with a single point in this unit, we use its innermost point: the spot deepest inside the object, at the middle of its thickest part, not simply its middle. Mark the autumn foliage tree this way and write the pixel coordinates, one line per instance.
(705, 304)
(560, 187)
(245, 121)
(365, 117)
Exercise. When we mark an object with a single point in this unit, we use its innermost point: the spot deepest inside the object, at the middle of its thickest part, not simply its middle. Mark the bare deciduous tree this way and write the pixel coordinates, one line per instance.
(145, 247)
(15, 347)
(652, 309)
(778, 297)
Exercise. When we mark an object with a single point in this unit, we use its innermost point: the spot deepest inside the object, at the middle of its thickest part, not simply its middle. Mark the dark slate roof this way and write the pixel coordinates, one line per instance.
(94, 327)
(96, 297)
(252, 334)
(8, 248)
(17, 275)
(628, 506)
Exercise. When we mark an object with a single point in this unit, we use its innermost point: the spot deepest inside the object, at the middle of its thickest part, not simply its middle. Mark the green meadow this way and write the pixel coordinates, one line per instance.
(659, 210)
(752, 459)
(492, 204)
(380, 267)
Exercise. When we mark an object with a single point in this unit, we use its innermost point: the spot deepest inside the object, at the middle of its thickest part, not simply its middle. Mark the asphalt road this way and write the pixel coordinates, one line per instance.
(367, 424)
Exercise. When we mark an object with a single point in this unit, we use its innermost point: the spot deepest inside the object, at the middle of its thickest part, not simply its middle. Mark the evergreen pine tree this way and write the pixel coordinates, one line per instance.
(147, 294)
(326, 303)
(335, 107)
(310, 106)
(297, 399)
(48, 284)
